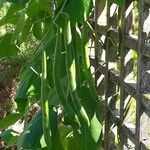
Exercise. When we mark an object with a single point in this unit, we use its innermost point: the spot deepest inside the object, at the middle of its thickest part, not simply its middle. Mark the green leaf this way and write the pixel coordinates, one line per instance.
(72, 143)
(64, 132)
(90, 106)
(78, 10)
(12, 14)
(42, 142)
(21, 104)
(19, 26)
(69, 121)
(28, 79)
(12, 142)
(14, 8)
(26, 30)
(42, 24)
(34, 7)
(95, 128)
(10, 19)
(53, 98)
(87, 101)
(118, 2)
(6, 48)
(38, 26)
(30, 138)
(9, 120)
(7, 135)
(84, 141)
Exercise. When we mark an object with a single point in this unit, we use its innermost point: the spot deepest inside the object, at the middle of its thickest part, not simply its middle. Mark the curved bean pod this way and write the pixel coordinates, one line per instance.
(71, 73)
(44, 102)
(57, 80)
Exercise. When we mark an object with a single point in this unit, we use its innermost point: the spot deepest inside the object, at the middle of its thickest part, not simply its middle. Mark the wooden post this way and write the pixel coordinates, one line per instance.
(110, 89)
(143, 68)
(107, 114)
(126, 66)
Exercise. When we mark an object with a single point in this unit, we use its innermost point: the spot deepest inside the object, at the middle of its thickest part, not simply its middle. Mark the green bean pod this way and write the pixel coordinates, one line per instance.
(71, 74)
(44, 101)
(57, 80)
(86, 61)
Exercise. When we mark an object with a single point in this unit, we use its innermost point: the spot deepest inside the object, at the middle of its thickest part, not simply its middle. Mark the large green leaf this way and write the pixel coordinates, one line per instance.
(95, 128)
(12, 15)
(78, 10)
(9, 120)
(90, 106)
(29, 87)
(53, 98)
(42, 23)
(12, 142)
(14, 8)
(30, 138)
(19, 26)
(84, 141)
(9, 19)
(38, 26)
(6, 48)
(26, 29)
(7, 135)
(31, 76)
(87, 101)
(71, 143)
(29, 79)
(34, 7)
(118, 2)
(64, 132)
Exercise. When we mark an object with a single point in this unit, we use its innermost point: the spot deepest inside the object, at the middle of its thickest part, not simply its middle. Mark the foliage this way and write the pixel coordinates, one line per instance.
(58, 75)
(118, 2)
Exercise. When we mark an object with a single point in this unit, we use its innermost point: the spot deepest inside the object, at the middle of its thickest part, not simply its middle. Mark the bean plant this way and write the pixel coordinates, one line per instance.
(58, 75)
